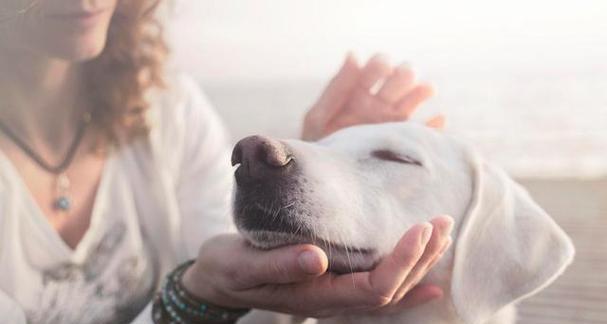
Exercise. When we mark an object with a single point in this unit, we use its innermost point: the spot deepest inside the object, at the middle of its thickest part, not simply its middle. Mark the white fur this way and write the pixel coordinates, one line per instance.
(505, 246)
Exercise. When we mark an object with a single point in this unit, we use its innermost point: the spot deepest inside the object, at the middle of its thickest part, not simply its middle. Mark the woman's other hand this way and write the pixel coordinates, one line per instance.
(293, 279)
(375, 93)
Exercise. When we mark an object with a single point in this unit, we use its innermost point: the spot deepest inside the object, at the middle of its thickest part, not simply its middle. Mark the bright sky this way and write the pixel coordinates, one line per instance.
(267, 39)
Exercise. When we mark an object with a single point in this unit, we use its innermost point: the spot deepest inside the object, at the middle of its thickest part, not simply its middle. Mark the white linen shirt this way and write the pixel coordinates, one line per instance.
(159, 198)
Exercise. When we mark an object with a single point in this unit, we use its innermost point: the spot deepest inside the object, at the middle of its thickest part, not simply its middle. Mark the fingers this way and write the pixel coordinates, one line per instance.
(395, 268)
(329, 294)
(407, 104)
(339, 88)
(441, 252)
(396, 99)
(230, 272)
(420, 294)
(332, 100)
(374, 93)
(361, 290)
(397, 85)
(376, 70)
(439, 241)
(380, 286)
(279, 266)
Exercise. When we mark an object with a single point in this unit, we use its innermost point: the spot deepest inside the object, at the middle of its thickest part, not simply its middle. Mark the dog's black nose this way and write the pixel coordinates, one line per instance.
(260, 157)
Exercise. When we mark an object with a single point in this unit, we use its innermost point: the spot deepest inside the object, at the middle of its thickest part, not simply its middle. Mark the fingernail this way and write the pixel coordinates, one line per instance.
(383, 58)
(349, 61)
(309, 262)
(427, 232)
(350, 57)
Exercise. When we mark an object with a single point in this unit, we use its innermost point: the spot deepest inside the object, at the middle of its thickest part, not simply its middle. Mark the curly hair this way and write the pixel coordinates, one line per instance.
(131, 63)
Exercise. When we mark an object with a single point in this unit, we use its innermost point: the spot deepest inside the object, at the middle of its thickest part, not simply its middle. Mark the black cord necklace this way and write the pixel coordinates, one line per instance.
(62, 201)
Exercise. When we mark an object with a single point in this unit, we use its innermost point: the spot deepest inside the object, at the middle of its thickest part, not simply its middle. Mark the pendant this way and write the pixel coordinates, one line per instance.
(62, 202)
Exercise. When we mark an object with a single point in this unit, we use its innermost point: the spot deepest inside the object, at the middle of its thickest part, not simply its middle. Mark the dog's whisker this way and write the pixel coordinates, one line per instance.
(275, 212)
(315, 235)
(289, 205)
(350, 265)
(330, 251)
(298, 229)
(329, 243)
(358, 249)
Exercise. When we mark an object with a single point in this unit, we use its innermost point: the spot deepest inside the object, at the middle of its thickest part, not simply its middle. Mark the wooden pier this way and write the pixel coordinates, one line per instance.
(579, 296)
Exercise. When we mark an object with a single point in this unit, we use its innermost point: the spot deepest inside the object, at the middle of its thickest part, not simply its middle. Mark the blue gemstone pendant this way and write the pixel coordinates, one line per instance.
(63, 203)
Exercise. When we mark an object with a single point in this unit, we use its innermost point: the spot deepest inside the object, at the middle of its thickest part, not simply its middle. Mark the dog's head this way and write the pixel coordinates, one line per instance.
(356, 192)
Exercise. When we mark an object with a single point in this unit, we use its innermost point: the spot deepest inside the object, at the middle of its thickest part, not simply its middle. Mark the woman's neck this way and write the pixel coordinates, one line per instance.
(40, 98)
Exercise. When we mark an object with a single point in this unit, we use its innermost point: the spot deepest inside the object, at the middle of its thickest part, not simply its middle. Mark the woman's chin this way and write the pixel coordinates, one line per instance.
(86, 54)
(78, 51)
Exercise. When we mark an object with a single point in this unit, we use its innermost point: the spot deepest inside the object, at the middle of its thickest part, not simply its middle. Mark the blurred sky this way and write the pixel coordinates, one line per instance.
(270, 39)
(526, 81)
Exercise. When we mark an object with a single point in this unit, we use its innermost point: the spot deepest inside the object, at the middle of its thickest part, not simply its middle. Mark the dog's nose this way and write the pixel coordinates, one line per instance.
(259, 157)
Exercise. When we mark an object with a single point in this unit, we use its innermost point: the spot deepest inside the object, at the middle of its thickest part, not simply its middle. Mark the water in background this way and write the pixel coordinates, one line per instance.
(534, 123)
(526, 81)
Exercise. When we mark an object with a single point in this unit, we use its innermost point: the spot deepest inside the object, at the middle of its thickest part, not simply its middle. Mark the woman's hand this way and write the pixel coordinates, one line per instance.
(293, 279)
(375, 93)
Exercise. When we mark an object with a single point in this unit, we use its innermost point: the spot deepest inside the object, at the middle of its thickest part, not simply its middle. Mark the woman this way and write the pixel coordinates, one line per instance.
(113, 172)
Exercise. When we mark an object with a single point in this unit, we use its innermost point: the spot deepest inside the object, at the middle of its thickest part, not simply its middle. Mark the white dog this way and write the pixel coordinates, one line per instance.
(357, 191)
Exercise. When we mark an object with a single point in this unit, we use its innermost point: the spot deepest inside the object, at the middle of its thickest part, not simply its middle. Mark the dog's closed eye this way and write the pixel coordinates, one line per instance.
(392, 156)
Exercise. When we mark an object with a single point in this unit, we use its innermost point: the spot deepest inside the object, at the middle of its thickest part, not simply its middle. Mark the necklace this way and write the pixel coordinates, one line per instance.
(62, 201)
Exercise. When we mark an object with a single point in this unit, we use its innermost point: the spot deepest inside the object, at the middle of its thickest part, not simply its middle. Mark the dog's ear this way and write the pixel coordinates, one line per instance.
(507, 246)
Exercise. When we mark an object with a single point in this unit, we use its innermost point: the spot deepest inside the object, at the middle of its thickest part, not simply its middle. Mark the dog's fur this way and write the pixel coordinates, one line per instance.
(356, 192)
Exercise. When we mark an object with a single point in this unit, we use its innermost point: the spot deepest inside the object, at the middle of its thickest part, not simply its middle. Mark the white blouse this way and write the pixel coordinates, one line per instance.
(159, 198)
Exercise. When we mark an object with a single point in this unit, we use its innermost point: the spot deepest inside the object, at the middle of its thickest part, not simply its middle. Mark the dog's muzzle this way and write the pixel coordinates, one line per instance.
(273, 207)
(267, 186)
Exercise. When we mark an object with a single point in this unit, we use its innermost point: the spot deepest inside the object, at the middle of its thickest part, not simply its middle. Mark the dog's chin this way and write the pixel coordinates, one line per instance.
(342, 259)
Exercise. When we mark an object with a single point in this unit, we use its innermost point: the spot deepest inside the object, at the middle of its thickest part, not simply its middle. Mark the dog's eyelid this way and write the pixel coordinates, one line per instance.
(388, 155)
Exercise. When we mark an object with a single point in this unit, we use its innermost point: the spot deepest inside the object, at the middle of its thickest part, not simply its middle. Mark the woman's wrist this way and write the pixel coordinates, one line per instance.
(196, 287)
(176, 304)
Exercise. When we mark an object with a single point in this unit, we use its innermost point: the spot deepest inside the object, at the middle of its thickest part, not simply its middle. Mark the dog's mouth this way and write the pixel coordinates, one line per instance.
(342, 258)
(271, 219)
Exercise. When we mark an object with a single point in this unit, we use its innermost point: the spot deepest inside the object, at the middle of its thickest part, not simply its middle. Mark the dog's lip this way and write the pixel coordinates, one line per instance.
(342, 259)
(260, 239)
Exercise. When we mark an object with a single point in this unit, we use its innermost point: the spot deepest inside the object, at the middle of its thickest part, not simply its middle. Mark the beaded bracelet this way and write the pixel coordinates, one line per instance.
(174, 305)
